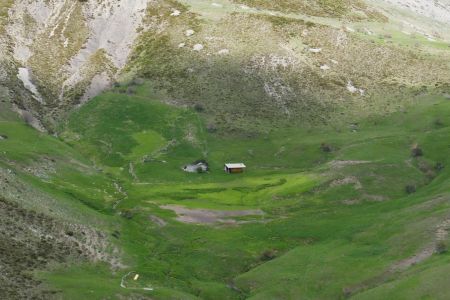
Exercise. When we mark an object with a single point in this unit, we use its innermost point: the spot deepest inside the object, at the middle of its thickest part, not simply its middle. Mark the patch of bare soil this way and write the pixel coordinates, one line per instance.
(208, 216)
(338, 164)
(413, 260)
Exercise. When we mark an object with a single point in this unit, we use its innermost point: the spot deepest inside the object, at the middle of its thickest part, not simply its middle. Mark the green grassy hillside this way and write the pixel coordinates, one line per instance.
(320, 213)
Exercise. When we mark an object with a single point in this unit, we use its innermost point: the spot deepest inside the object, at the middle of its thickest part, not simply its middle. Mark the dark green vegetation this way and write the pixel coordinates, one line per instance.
(338, 219)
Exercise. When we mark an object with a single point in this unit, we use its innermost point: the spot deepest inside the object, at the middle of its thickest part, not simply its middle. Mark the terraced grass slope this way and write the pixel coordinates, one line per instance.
(350, 211)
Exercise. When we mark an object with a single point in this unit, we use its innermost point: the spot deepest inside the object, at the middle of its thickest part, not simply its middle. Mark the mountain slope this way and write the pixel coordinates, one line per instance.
(339, 109)
(312, 66)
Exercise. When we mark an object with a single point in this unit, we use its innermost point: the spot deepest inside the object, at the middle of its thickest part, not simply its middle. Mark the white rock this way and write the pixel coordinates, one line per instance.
(216, 4)
(351, 88)
(176, 13)
(349, 29)
(244, 7)
(223, 52)
(334, 61)
(315, 50)
(198, 47)
(181, 45)
(189, 32)
(325, 67)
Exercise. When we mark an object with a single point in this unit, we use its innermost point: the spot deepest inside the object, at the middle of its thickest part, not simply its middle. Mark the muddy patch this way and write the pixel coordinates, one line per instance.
(208, 216)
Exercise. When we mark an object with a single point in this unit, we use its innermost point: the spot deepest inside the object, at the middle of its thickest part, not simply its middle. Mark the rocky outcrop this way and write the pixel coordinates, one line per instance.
(68, 51)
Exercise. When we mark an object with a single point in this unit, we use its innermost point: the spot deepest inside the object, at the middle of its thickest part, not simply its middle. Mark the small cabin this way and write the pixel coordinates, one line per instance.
(235, 168)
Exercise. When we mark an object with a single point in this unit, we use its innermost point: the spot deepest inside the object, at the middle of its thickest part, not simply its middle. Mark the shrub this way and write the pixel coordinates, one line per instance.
(410, 189)
(268, 255)
(199, 108)
(416, 151)
(116, 234)
(438, 123)
(326, 148)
